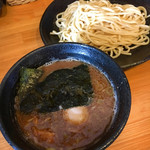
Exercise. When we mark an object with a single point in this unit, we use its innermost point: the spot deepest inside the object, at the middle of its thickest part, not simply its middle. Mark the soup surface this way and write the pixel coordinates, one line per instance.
(74, 127)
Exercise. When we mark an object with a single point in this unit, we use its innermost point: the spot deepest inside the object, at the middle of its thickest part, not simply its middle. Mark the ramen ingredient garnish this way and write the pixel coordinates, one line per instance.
(114, 28)
(62, 89)
(76, 115)
(28, 78)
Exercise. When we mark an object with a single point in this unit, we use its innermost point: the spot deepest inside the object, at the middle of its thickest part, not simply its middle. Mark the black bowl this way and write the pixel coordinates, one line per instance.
(60, 51)
(1, 5)
(47, 24)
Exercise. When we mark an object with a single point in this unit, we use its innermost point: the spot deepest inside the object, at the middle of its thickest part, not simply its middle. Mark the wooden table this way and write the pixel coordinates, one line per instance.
(19, 34)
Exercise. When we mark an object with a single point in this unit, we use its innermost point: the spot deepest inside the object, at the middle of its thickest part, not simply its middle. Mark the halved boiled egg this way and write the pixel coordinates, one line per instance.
(76, 115)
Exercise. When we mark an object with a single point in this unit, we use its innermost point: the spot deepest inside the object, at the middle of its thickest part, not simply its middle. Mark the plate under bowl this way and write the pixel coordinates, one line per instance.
(47, 24)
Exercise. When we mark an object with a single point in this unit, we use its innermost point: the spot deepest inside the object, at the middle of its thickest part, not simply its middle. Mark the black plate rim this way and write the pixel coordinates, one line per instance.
(124, 67)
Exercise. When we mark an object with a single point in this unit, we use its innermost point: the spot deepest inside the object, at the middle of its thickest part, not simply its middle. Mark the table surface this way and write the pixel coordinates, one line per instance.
(19, 34)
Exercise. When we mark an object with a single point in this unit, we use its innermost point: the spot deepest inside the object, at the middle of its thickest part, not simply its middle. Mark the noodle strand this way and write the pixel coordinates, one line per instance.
(115, 29)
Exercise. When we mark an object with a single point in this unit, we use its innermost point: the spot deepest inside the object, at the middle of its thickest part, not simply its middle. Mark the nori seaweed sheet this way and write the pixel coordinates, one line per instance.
(28, 78)
(64, 88)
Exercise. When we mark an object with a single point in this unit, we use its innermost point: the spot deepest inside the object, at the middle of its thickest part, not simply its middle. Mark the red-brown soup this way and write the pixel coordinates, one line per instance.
(74, 127)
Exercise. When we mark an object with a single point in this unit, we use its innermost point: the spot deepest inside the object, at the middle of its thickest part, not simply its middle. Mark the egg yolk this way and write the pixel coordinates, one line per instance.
(76, 115)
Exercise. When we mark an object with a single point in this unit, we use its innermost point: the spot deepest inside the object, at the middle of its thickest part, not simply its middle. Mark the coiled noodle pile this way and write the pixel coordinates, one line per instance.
(113, 28)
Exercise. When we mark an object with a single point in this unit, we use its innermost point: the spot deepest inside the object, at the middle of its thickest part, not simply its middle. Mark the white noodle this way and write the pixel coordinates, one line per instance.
(113, 28)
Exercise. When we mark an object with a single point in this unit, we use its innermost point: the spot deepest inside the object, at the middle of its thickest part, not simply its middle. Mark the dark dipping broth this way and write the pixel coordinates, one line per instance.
(74, 127)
